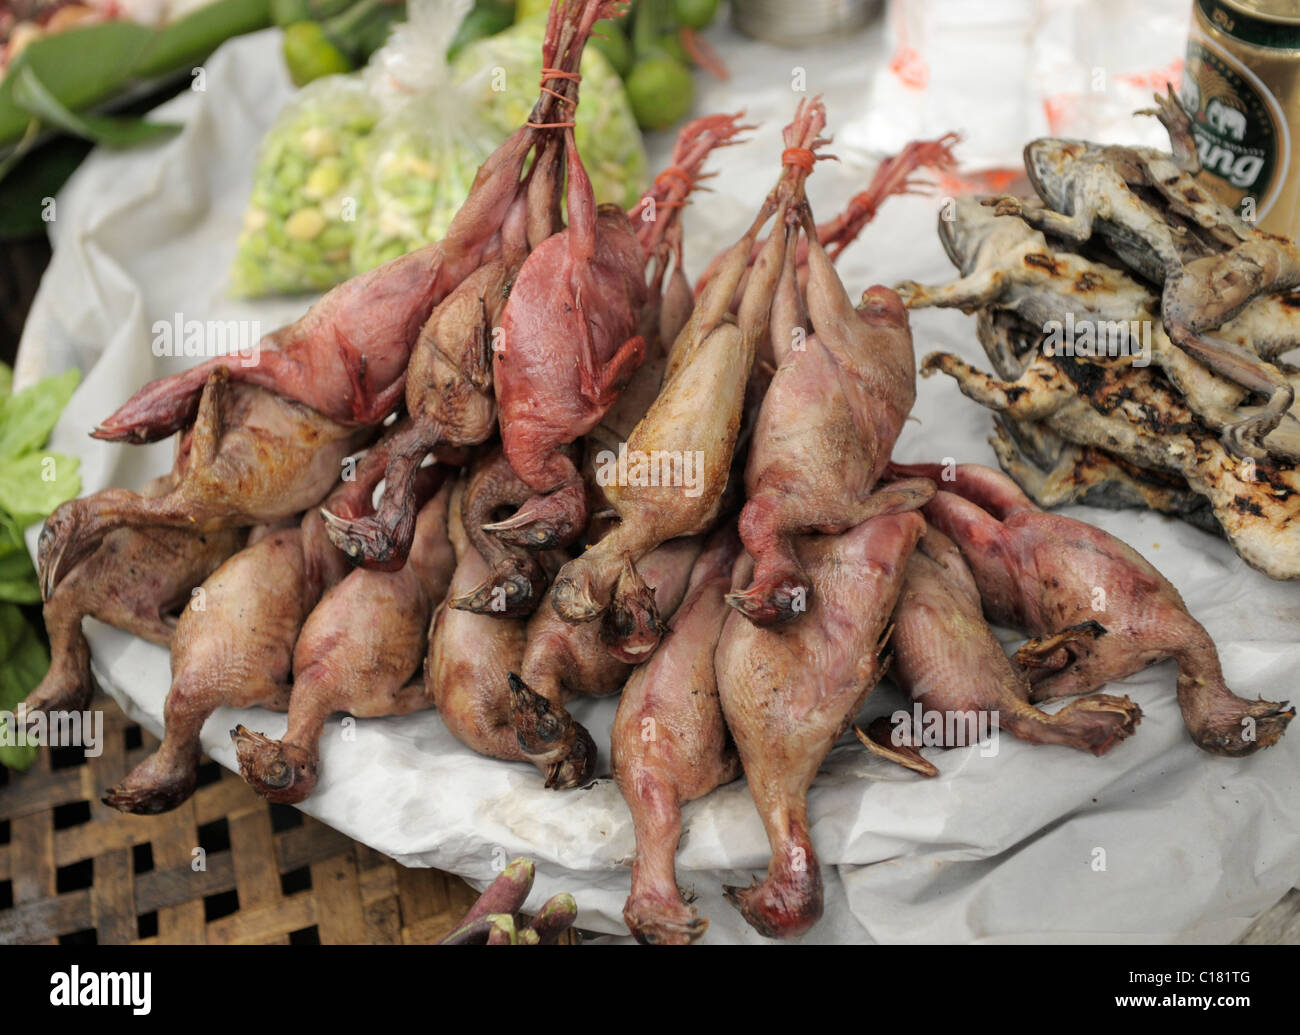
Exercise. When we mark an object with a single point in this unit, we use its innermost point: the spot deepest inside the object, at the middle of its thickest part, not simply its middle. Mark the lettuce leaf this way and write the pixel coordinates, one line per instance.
(33, 484)
(26, 665)
(27, 418)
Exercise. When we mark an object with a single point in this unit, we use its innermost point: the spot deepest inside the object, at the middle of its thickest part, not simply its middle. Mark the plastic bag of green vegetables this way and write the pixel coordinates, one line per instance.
(301, 217)
(503, 71)
(423, 154)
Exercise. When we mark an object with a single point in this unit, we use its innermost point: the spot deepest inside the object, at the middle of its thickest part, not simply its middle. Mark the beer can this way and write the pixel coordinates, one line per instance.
(1241, 85)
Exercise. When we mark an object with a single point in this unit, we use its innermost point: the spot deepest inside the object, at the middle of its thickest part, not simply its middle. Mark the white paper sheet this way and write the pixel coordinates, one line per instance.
(995, 849)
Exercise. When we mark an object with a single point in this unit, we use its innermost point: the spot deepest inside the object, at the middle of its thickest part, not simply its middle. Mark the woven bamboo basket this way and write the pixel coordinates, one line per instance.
(225, 868)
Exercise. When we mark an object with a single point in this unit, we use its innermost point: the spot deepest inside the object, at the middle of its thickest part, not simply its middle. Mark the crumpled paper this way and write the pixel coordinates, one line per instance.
(1157, 841)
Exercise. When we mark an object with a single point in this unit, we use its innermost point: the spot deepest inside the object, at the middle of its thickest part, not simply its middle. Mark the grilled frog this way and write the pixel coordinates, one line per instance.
(1210, 262)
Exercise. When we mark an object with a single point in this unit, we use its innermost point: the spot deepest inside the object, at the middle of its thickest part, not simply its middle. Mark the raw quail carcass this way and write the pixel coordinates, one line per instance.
(360, 651)
(1046, 575)
(667, 310)
(947, 660)
(515, 580)
(667, 480)
(658, 221)
(894, 175)
(234, 643)
(347, 356)
(449, 394)
(790, 691)
(562, 660)
(135, 580)
(252, 458)
(568, 347)
(670, 745)
(233, 648)
(471, 661)
(824, 433)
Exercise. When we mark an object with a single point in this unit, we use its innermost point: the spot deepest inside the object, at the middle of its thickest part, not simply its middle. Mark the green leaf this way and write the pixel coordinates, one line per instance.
(26, 665)
(14, 562)
(11, 534)
(40, 174)
(26, 419)
(82, 67)
(33, 484)
(20, 591)
(6, 380)
(20, 150)
(189, 40)
(18, 582)
(31, 95)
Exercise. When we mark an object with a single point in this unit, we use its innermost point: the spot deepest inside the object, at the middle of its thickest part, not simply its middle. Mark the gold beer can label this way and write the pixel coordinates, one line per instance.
(1240, 82)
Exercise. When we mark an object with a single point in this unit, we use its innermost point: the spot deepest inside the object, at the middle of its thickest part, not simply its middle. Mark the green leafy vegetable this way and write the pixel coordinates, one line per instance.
(18, 583)
(82, 67)
(26, 419)
(26, 664)
(32, 96)
(32, 483)
(191, 38)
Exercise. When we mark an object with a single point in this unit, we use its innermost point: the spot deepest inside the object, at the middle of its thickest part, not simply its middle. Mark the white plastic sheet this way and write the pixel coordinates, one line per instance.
(995, 849)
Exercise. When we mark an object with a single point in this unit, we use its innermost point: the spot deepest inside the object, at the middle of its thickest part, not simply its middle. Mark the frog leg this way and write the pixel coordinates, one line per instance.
(1031, 397)
(1051, 488)
(967, 293)
(1030, 439)
(1076, 228)
(1179, 127)
(1244, 437)
(996, 333)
